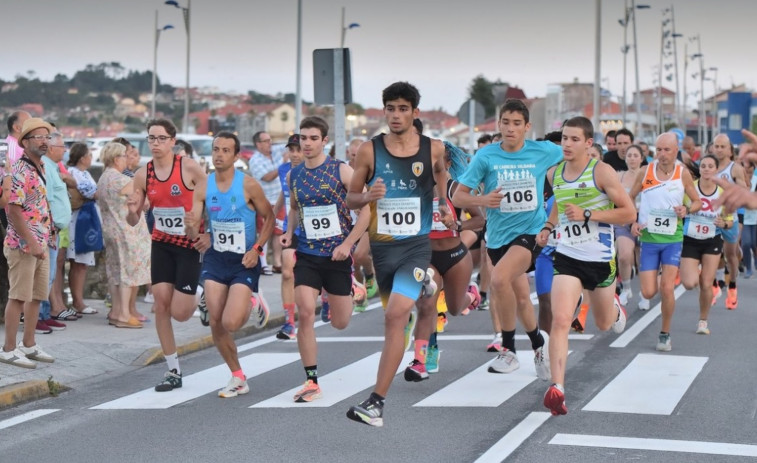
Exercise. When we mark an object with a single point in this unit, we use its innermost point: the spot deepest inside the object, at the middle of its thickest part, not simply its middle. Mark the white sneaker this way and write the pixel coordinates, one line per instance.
(235, 387)
(16, 358)
(663, 343)
(541, 363)
(643, 304)
(506, 362)
(35, 353)
(260, 312)
(702, 327)
(620, 323)
(429, 285)
(149, 298)
(625, 296)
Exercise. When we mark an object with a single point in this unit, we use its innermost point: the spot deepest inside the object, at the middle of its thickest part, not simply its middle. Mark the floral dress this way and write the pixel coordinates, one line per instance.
(87, 187)
(127, 248)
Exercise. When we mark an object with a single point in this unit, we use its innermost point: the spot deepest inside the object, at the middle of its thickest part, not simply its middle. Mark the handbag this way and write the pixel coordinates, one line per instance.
(89, 234)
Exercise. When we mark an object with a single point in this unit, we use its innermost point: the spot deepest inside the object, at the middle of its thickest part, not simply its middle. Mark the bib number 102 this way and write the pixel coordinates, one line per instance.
(398, 218)
(171, 222)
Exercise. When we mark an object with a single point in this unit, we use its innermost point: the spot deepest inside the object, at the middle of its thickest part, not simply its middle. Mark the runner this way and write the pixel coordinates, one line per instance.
(662, 185)
(452, 265)
(702, 241)
(168, 182)
(585, 209)
(318, 189)
(231, 268)
(625, 242)
(364, 272)
(513, 173)
(401, 168)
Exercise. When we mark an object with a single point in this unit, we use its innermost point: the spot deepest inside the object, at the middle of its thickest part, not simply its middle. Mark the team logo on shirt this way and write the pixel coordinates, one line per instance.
(419, 274)
(412, 184)
(175, 191)
(417, 168)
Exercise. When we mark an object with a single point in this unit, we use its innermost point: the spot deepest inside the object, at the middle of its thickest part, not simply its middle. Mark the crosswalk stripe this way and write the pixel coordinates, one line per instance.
(660, 445)
(651, 384)
(199, 384)
(480, 388)
(28, 416)
(443, 338)
(338, 385)
(513, 439)
(634, 330)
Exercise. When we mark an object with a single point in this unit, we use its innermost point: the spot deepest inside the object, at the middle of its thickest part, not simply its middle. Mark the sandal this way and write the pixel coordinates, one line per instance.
(132, 323)
(67, 315)
(87, 311)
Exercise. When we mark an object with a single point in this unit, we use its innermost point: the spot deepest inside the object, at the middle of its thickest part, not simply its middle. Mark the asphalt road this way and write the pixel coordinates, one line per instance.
(626, 401)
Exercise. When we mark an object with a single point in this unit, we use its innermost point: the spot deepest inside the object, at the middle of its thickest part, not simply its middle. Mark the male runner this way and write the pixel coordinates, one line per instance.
(168, 182)
(401, 168)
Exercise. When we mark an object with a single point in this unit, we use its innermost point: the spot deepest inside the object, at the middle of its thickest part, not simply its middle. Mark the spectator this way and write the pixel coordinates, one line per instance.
(264, 167)
(25, 246)
(183, 148)
(15, 124)
(127, 259)
(484, 140)
(79, 160)
(132, 156)
(610, 140)
(60, 208)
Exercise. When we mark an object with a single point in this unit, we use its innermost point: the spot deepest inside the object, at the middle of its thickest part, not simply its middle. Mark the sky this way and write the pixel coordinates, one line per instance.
(437, 45)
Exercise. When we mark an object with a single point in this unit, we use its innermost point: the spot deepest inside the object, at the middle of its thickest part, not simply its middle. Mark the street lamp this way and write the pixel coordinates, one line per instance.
(630, 15)
(344, 28)
(714, 96)
(185, 12)
(155, 62)
(702, 113)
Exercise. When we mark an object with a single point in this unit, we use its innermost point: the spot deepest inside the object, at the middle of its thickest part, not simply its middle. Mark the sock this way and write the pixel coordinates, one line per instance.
(172, 361)
(732, 284)
(311, 373)
(714, 282)
(664, 332)
(432, 340)
(377, 398)
(483, 296)
(720, 274)
(508, 340)
(289, 309)
(198, 293)
(420, 350)
(537, 340)
(239, 374)
(262, 259)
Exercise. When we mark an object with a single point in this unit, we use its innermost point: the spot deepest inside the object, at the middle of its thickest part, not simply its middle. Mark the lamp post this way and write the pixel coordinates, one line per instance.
(345, 27)
(298, 93)
(155, 62)
(185, 13)
(639, 128)
(597, 66)
(624, 49)
(702, 129)
(714, 97)
(630, 15)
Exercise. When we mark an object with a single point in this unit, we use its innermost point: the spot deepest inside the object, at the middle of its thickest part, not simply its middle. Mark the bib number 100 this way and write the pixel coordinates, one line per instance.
(398, 218)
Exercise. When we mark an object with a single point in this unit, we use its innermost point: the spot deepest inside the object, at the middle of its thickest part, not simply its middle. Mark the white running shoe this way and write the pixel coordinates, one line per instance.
(260, 311)
(35, 353)
(663, 343)
(541, 363)
(429, 285)
(702, 327)
(625, 296)
(149, 298)
(506, 362)
(620, 323)
(235, 387)
(643, 304)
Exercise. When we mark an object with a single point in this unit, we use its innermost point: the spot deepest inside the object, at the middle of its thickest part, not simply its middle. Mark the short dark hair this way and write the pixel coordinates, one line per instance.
(418, 124)
(710, 156)
(610, 134)
(228, 135)
(485, 138)
(555, 137)
(403, 90)
(497, 137)
(12, 119)
(165, 123)
(514, 105)
(624, 131)
(76, 152)
(315, 122)
(582, 123)
(185, 145)
(122, 141)
(256, 136)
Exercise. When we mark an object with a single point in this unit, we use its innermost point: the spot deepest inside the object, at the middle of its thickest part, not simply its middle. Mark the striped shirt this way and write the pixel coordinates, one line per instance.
(15, 151)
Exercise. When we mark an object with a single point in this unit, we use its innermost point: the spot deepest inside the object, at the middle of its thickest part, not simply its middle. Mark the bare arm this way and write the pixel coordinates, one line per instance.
(691, 192)
(137, 199)
(193, 218)
(624, 211)
(637, 184)
(254, 193)
(357, 197)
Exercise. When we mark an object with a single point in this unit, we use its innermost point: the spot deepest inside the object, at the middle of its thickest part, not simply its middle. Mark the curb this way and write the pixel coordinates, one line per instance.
(155, 355)
(27, 391)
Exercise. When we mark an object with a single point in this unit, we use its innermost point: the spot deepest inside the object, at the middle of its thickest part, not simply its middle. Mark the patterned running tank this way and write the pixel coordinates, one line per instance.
(407, 209)
(232, 221)
(169, 199)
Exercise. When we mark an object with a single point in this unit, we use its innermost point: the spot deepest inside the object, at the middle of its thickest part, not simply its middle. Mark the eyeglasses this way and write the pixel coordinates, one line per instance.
(159, 139)
(57, 146)
(265, 141)
(39, 137)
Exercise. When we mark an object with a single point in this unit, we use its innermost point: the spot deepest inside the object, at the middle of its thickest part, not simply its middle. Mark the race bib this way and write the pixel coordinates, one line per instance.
(700, 228)
(228, 237)
(169, 220)
(519, 195)
(572, 233)
(436, 223)
(321, 222)
(662, 222)
(398, 216)
(554, 237)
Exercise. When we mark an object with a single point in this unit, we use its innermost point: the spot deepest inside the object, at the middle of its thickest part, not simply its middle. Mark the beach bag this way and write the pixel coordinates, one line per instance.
(89, 234)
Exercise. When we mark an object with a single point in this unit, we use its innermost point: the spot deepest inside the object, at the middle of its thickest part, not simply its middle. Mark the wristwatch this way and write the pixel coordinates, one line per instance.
(459, 226)
(587, 215)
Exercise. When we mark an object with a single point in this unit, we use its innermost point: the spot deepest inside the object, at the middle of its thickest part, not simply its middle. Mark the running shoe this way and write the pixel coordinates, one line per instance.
(55, 325)
(429, 285)
(260, 311)
(644, 303)
(554, 400)
(473, 290)
(625, 296)
(702, 327)
(579, 320)
(287, 332)
(663, 343)
(496, 344)
(171, 381)
(506, 362)
(371, 288)
(235, 387)
(359, 296)
(409, 328)
(149, 298)
(369, 412)
(715, 293)
(541, 363)
(325, 313)
(309, 392)
(432, 359)
(441, 322)
(620, 322)
(203, 308)
(416, 371)
(732, 300)
(484, 305)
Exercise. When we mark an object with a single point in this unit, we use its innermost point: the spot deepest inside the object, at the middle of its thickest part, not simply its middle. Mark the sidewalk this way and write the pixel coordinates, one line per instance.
(89, 347)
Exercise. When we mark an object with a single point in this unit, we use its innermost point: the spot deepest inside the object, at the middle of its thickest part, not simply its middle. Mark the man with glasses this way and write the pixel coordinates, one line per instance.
(168, 182)
(264, 167)
(30, 232)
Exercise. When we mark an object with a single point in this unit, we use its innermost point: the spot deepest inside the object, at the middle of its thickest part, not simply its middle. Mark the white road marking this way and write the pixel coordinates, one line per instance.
(660, 445)
(634, 330)
(513, 439)
(28, 416)
(442, 338)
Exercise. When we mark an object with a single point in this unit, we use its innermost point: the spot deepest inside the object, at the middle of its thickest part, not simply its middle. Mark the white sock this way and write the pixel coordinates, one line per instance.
(262, 258)
(173, 362)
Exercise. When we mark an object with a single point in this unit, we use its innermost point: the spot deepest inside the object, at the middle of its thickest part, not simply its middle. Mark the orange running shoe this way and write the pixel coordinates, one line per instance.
(732, 300)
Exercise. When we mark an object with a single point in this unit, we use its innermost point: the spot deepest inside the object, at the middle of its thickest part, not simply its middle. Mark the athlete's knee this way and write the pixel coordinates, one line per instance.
(690, 282)
(667, 286)
(287, 274)
(648, 293)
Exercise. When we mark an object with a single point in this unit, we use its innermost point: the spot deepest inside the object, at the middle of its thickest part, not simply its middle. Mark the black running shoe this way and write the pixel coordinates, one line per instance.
(368, 412)
(171, 381)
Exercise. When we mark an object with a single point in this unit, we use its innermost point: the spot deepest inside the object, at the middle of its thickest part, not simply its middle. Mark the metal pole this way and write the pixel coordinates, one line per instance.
(339, 135)
(154, 66)
(298, 94)
(684, 124)
(625, 59)
(660, 125)
(471, 124)
(185, 124)
(679, 107)
(344, 30)
(702, 113)
(639, 128)
(597, 65)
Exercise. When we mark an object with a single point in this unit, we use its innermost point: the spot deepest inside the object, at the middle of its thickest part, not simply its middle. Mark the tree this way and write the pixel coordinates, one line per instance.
(482, 90)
